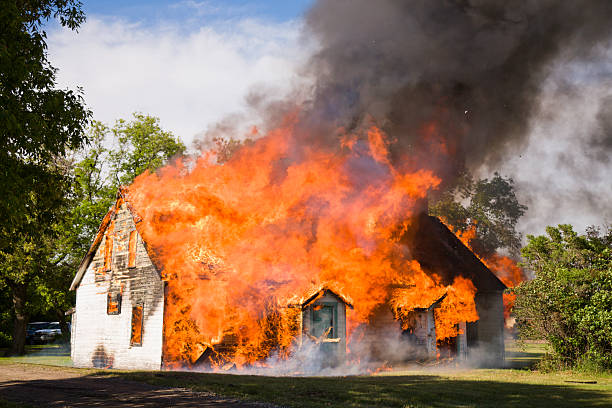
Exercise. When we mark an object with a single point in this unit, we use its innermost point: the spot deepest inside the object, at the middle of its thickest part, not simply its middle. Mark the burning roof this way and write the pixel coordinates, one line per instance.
(316, 292)
(439, 251)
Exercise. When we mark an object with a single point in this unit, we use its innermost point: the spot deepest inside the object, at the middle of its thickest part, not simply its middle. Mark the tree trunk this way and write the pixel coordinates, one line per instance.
(21, 318)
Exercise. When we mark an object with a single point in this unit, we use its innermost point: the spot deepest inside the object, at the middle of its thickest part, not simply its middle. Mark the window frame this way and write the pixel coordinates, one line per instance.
(133, 342)
(118, 298)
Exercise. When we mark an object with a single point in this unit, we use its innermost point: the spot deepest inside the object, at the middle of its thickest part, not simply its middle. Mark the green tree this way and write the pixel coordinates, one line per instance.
(141, 145)
(39, 124)
(95, 186)
(569, 303)
(114, 157)
(38, 121)
(489, 206)
(24, 258)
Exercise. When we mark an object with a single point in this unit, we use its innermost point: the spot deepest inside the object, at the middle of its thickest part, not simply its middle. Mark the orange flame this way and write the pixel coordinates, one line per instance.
(505, 268)
(510, 274)
(236, 240)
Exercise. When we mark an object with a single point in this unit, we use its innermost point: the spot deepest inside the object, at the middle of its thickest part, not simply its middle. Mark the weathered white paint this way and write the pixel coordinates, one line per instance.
(103, 340)
(489, 349)
(424, 330)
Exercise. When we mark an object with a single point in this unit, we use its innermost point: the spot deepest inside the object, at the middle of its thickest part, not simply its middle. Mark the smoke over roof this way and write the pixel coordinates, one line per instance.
(472, 68)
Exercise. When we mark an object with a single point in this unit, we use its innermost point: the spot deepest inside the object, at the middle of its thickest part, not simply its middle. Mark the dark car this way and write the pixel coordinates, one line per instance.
(31, 329)
(48, 334)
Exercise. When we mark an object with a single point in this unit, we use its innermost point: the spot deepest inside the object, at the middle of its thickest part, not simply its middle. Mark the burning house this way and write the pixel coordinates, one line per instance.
(126, 308)
(313, 234)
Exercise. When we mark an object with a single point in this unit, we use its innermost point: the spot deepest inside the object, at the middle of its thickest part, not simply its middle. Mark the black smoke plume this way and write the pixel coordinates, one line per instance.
(459, 76)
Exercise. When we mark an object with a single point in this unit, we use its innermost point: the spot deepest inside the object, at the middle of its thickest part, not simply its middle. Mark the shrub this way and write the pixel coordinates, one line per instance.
(569, 302)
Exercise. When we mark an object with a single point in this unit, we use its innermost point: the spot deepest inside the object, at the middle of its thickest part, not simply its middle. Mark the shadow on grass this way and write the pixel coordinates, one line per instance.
(152, 389)
(102, 391)
(523, 355)
(522, 359)
(392, 391)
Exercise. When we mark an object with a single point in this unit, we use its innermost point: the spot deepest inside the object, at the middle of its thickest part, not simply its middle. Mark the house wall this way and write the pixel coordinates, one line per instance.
(424, 330)
(384, 339)
(103, 340)
(462, 350)
(488, 347)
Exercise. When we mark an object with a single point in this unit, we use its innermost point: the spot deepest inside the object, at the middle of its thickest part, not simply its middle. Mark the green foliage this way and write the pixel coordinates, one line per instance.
(569, 303)
(142, 145)
(27, 254)
(39, 124)
(38, 121)
(5, 339)
(94, 188)
(489, 206)
(114, 156)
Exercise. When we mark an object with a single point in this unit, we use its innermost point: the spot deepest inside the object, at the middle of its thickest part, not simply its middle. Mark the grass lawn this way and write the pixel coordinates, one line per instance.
(461, 388)
(47, 354)
(524, 355)
(513, 387)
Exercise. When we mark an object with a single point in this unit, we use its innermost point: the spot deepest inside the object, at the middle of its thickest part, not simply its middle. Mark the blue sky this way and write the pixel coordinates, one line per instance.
(155, 11)
(189, 62)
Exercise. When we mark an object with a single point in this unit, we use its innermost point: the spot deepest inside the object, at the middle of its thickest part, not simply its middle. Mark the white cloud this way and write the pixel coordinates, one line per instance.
(189, 78)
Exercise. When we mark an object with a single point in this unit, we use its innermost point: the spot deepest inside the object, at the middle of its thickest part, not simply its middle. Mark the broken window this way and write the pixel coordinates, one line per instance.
(113, 303)
(132, 249)
(136, 336)
(323, 319)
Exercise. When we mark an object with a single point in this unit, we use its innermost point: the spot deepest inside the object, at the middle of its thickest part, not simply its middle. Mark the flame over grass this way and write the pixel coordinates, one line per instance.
(236, 240)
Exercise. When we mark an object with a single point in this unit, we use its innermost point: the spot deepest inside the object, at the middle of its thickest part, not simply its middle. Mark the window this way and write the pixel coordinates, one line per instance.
(108, 247)
(323, 320)
(136, 336)
(113, 303)
(132, 249)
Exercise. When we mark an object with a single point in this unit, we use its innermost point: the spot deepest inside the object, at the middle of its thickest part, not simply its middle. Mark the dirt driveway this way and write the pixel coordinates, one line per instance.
(65, 387)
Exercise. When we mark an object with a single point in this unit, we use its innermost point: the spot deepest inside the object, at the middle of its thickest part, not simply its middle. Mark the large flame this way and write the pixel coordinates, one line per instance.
(236, 240)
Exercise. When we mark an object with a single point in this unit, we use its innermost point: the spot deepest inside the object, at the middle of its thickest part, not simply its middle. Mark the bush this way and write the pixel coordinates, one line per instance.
(569, 303)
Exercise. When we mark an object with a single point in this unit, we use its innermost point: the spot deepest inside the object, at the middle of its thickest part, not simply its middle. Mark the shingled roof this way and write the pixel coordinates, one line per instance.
(439, 251)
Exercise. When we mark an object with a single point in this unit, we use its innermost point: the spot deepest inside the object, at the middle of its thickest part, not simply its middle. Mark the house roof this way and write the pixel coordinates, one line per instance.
(440, 252)
(110, 215)
(316, 292)
(431, 243)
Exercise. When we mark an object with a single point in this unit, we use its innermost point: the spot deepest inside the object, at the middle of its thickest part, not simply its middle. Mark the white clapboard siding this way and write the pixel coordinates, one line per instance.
(102, 340)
